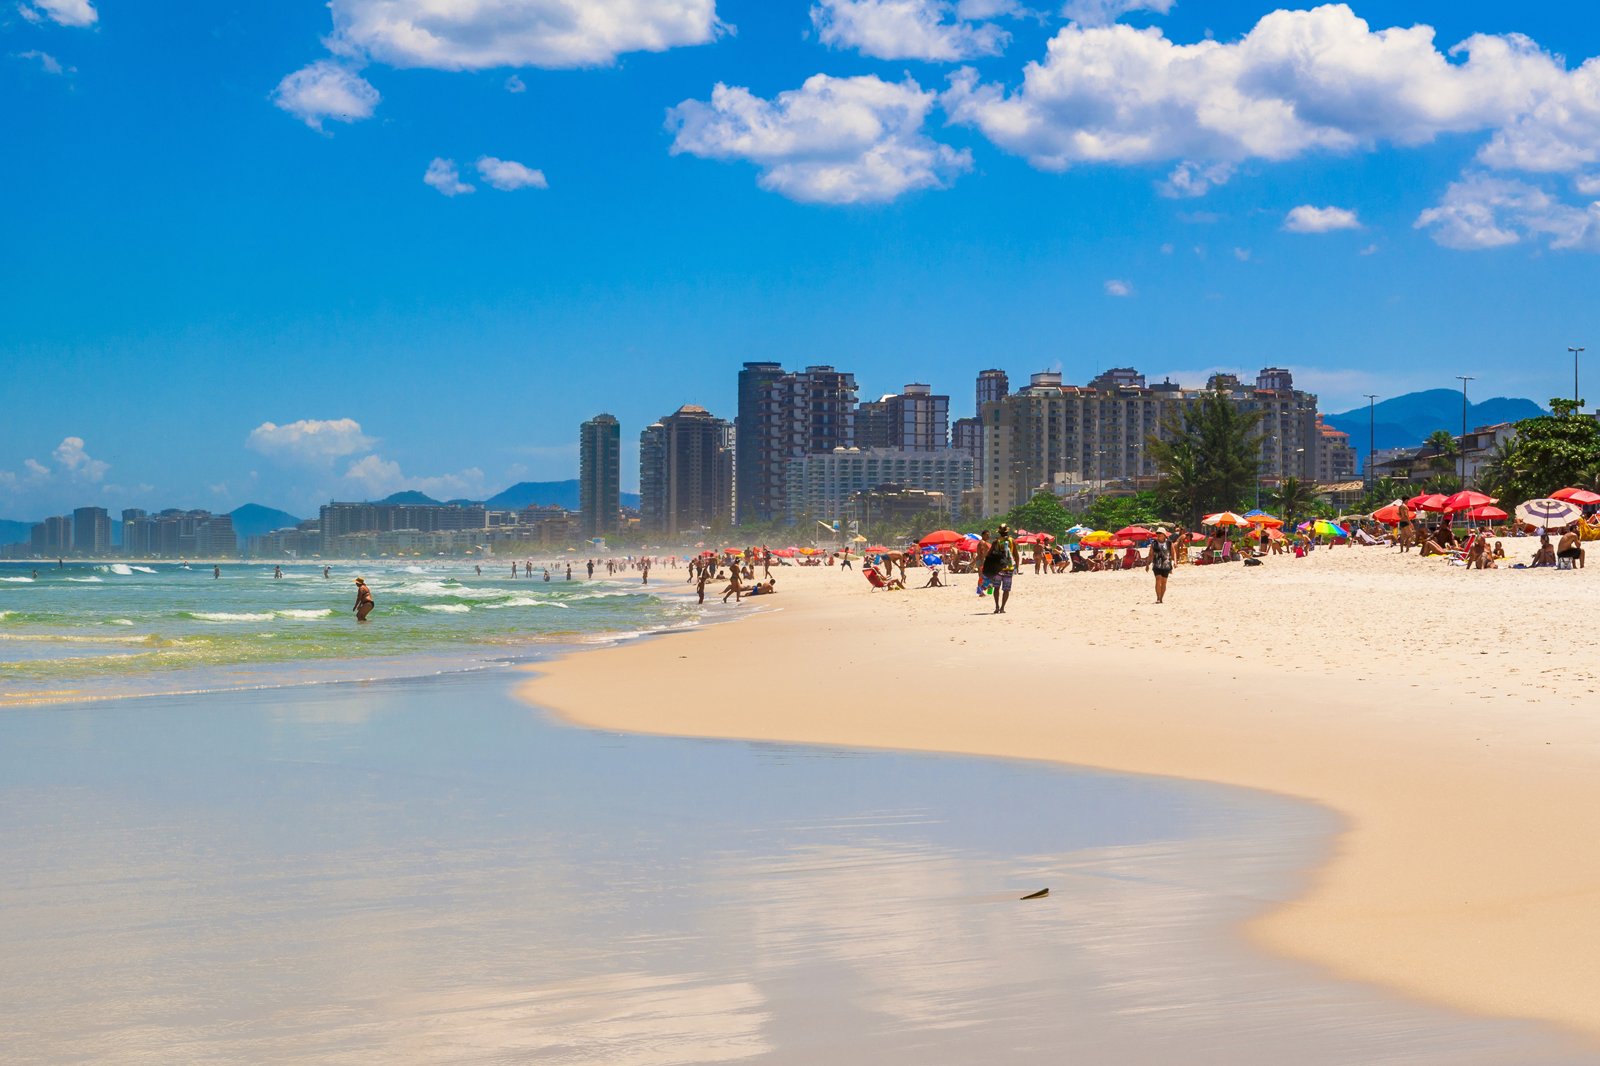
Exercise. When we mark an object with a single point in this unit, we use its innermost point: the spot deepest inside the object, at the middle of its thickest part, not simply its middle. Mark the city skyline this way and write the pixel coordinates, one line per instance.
(282, 290)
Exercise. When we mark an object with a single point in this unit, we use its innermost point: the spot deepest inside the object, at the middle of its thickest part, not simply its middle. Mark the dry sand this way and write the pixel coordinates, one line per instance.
(1452, 718)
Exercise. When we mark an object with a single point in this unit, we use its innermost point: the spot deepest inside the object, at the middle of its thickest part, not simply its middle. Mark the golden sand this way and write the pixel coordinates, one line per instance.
(1451, 717)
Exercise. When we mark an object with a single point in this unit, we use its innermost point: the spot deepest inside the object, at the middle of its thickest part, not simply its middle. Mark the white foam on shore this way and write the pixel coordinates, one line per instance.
(223, 616)
(525, 601)
(447, 608)
(305, 613)
(143, 569)
(87, 580)
(18, 580)
(121, 568)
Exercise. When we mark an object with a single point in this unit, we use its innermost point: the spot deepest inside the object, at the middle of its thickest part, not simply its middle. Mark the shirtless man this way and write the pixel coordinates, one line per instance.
(1570, 551)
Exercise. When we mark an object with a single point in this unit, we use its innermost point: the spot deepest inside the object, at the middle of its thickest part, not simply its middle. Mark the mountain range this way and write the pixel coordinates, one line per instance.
(1405, 421)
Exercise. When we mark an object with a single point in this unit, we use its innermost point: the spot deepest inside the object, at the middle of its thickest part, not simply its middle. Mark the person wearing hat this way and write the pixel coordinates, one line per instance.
(364, 604)
(999, 565)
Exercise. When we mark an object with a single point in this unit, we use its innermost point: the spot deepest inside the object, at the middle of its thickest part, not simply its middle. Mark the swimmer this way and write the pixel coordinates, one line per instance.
(364, 602)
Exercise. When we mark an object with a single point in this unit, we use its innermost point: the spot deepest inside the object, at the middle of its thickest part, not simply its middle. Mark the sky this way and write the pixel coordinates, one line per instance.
(288, 252)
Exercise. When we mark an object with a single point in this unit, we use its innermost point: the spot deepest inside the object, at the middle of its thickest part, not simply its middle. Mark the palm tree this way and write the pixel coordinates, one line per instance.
(1295, 497)
(1445, 447)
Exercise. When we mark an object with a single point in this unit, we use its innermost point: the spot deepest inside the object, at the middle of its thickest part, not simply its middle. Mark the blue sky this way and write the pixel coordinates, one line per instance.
(225, 277)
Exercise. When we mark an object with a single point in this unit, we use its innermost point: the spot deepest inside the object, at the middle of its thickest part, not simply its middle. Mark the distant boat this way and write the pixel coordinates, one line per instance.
(1041, 894)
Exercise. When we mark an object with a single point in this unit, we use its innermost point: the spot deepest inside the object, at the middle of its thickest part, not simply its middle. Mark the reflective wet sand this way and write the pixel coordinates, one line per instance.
(425, 871)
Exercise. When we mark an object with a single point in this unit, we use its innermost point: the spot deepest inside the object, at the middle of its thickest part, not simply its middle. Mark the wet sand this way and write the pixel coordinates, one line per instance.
(1449, 718)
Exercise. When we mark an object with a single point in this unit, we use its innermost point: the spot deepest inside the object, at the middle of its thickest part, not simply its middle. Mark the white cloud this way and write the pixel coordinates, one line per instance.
(63, 12)
(377, 476)
(1194, 179)
(515, 84)
(1297, 82)
(49, 63)
(1484, 211)
(69, 454)
(1371, 249)
(1587, 184)
(443, 175)
(1166, 249)
(310, 440)
(1309, 219)
(36, 470)
(326, 89)
(1242, 254)
(906, 29)
(833, 140)
(507, 176)
(33, 473)
(1560, 132)
(479, 34)
(1119, 288)
(1105, 12)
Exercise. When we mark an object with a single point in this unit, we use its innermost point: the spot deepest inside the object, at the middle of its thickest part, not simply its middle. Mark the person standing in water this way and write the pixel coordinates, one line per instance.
(277, 572)
(326, 572)
(216, 572)
(364, 604)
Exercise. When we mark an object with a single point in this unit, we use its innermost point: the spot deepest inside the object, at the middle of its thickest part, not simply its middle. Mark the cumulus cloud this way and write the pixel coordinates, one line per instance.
(479, 34)
(833, 140)
(1297, 82)
(323, 90)
(1309, 219)
(33, 473)
(1105, 12)
(443, 175)
(71, 457)
(908, 29)
(310, 440)
(374, 475)
(1194, 179)
(1486, 211)
(508, 176)
(1115, 287)
(62, 12)
(47, 62)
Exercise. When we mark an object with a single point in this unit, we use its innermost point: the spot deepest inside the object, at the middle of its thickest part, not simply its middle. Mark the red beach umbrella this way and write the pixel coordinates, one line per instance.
(1466, 499)
(1120, 543)
(1134, 533)
(1581, 497)
(1487, 512)
(1427, 502)
(939, 538)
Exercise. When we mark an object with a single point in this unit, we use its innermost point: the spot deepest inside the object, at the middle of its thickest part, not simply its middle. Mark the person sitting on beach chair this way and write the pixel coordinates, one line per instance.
(878, 581)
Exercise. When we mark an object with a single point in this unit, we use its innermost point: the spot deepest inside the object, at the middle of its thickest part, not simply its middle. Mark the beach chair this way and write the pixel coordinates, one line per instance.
(877, 580)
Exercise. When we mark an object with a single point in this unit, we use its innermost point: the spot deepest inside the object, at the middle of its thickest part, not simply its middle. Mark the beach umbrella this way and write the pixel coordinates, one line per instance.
(1197, 538)
(1427, 502)
(1078, 531)
(1134, 533)
(1329, 529)
(1389, 514)
(878, 549)
(1120, 542)
(938, 538)
(1261, 518)
(1224, 518)
(1581, 497)
(1466, 499)
(1548, 513)
(1488, 512)
(1097, 536)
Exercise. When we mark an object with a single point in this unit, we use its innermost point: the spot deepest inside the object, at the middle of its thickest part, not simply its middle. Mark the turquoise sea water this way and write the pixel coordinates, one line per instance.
(93, 629)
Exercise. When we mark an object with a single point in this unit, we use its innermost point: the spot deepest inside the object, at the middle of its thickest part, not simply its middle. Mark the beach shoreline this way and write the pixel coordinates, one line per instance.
(1410, 698)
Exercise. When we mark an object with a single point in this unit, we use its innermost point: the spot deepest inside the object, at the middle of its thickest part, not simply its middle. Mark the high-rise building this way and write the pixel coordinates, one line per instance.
(135, 533)
(914, 420)
(53, 536)
(599, 475)
(966, 434)
(91, 531)
(820, 485)
(783, 416)
(686, 472)
(992, 385)
(1095, 435)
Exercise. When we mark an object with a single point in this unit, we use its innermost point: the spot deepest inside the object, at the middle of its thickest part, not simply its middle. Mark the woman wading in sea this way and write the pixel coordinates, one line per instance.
(364, 604)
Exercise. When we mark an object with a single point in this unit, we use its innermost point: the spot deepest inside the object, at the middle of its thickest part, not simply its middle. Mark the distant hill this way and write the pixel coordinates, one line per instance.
(411, 496)
(253, 519)
(14, 532)
(545, 494)
(1405, 421)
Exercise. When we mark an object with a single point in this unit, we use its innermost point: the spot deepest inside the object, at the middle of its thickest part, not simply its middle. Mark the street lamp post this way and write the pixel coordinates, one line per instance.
(1575, 352)
(1463, 378)
(1372, 435)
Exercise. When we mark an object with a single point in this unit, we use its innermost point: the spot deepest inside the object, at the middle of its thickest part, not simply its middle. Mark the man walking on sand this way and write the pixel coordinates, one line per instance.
(1000, 565)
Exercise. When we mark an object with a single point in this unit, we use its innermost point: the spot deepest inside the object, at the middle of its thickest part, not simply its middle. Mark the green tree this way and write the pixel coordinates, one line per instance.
(1042, 514)
(1296, 498)
(1548, 453)
(1445, 447)
(1210, 456)
(1114, 512)
(1386, 490)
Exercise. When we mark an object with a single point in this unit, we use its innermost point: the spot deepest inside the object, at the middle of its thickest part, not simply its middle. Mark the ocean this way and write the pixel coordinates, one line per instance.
(92, 630)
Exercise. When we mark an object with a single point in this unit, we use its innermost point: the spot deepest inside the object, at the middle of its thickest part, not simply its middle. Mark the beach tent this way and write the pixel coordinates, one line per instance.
(1547, 513)
(1581, 497)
